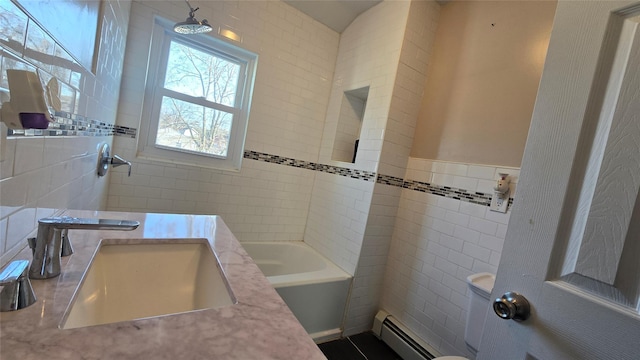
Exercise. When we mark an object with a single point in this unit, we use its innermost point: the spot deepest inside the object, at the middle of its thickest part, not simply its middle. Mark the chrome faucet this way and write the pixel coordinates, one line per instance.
(17, 292)
(52, 231)
(118, 161)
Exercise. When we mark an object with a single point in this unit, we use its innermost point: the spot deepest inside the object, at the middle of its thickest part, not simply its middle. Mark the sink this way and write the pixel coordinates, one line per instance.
(145, 278)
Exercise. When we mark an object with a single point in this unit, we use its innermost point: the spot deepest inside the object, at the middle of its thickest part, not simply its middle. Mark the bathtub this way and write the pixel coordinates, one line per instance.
(314, 288)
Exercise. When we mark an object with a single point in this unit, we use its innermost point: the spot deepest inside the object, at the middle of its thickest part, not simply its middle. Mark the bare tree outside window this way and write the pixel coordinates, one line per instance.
(198, 101)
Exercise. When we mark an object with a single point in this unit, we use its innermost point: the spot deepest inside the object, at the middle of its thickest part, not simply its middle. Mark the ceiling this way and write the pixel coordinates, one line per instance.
(336, 14)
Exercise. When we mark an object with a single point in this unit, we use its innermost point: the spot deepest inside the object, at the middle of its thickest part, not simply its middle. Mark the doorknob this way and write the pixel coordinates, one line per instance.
(512, 306)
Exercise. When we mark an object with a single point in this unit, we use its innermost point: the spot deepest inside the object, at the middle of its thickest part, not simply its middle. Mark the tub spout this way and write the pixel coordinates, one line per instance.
(118, 161)
(47, 247)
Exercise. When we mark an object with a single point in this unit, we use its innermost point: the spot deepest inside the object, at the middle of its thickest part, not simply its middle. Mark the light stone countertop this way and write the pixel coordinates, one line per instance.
(259, 326)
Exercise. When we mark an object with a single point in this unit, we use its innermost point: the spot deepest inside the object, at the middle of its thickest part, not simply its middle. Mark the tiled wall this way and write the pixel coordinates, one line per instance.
(398, 136)
(408, 87)
(368, 56)
(41, 174)
(367, 283)
(264, 201)
(437, 242)
(338, 218)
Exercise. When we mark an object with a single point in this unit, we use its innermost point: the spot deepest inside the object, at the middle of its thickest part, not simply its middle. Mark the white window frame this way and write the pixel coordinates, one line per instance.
(162, 36)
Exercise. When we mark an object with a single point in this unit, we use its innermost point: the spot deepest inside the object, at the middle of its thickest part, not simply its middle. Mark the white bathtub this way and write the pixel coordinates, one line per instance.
(314, 288)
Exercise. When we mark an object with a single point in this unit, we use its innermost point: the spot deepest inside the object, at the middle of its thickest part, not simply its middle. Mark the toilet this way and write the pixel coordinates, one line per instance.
(481, 285)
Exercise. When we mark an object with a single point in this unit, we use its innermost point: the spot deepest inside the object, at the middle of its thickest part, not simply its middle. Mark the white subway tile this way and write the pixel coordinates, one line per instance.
(465, 183)
(483, 226)
(481, 172)
(452, 243)
(497, 217)
(476, 252)
(472, 209)
(486, 186)
(502, 231)
(495, 258)
(19, 225)
(448, 203)
(29, 154)
(443, 227)
(442, 179)
(466, 234)
(457, 218)
(457, 285)
(491, 242)
(439, 289)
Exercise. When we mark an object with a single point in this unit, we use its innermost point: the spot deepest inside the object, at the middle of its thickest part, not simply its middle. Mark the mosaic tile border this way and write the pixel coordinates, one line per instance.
(450, 192)
(125, 131)
(337, 170)
(476, 197)
(390, 180)
(67, 124)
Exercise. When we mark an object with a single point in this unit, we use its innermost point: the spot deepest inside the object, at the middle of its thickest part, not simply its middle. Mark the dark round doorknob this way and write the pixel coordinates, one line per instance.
(512, 306)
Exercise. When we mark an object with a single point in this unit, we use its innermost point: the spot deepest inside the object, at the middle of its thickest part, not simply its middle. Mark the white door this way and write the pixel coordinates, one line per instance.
(573, 243)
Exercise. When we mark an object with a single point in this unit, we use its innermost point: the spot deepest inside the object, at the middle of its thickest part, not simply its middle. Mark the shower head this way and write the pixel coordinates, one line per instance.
(191, 25)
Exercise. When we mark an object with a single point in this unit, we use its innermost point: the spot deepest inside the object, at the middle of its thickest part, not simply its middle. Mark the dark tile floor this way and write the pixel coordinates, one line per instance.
(365, 346)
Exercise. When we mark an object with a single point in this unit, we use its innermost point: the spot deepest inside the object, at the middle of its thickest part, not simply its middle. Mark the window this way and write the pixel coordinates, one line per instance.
(197, 100)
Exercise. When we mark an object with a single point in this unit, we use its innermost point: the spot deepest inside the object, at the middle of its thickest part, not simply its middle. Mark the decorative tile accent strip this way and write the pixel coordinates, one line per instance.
(275, 159)
(450, 192)
(390, 180)
(445, 191)
(125, 131)
(66, 124)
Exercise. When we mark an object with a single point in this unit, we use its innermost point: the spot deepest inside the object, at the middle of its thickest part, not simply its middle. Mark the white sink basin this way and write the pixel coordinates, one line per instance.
(147, 278)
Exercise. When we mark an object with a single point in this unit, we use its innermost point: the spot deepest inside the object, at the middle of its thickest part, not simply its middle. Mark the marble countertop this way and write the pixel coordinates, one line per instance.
(259, 326)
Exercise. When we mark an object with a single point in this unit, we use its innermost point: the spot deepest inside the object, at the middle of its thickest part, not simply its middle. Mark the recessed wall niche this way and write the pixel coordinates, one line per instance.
(345, 144)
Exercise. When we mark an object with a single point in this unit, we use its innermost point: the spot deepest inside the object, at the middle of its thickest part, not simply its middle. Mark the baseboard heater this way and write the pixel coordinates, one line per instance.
(402, 340)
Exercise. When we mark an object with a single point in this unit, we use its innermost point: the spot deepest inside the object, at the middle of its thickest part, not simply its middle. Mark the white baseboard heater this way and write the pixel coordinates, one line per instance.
(402, 340)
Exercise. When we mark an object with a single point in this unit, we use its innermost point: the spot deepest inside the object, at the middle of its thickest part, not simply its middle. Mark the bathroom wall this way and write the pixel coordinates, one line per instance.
(487, 63)
(407, 91)
(368, 55)
(269, 198)
(440, 238)
(444, 230)
(44, 171)
(339, 210)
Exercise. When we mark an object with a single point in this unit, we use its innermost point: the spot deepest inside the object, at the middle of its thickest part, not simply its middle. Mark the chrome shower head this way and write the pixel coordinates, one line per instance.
(191, 25)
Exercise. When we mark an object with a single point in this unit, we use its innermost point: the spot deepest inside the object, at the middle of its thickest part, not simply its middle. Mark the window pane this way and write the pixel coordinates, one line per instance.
(200, 74)
(187, 126)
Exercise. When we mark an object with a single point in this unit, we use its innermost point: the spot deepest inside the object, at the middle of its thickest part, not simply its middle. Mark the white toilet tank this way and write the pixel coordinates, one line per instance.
(481, 285)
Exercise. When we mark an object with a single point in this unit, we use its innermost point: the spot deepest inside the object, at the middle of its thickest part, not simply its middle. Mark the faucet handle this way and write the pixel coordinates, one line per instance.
(67, 249)
(17, 292)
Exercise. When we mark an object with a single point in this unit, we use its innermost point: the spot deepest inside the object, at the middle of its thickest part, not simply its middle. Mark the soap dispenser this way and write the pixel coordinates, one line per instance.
(27, 108)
